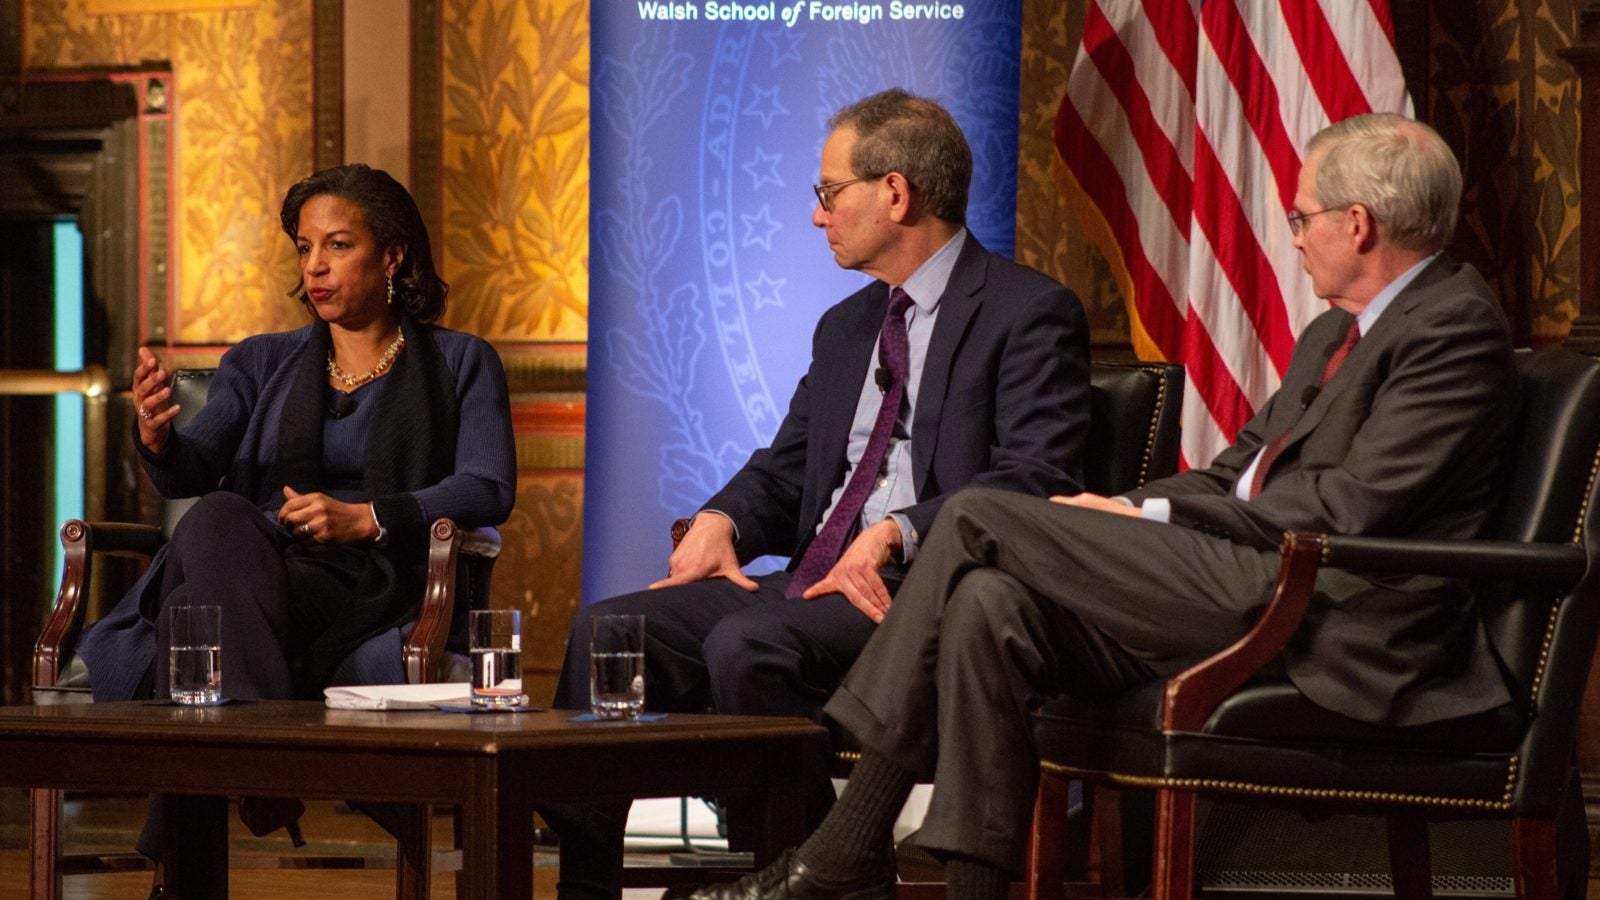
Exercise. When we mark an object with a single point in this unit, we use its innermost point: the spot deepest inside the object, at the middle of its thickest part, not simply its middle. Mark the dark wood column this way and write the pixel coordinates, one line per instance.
(91, 145)
(1585, 58)
(327, 84)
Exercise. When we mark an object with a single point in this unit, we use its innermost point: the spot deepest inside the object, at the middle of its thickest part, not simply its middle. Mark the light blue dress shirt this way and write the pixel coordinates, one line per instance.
(895, 488)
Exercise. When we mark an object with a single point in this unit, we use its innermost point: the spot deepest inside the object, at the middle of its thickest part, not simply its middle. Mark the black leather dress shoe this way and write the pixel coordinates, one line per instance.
(790, 879)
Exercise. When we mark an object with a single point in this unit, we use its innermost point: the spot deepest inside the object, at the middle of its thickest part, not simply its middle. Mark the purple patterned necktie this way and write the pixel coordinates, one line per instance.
(894, 355)
(1270, 455)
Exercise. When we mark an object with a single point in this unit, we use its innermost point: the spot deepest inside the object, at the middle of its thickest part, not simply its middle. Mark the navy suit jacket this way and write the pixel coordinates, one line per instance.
(1003, 402)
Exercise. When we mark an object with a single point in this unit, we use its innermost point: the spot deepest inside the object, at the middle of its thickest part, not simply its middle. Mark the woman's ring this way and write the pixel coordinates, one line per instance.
(305, 529)
(146, 414)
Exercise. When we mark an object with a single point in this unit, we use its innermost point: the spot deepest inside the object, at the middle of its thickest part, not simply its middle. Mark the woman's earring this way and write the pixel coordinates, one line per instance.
(390, 279)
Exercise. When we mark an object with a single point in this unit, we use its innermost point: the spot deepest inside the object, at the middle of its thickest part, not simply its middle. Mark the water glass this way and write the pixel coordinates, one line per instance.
(495, 637)
(616, 667)
(194, 655)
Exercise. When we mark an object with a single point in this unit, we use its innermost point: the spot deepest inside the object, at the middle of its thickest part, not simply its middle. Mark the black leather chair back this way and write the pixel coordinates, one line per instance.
(1549, 479)
(1557, 431)
(1546, 642)
(190, 387)
(1133, 425)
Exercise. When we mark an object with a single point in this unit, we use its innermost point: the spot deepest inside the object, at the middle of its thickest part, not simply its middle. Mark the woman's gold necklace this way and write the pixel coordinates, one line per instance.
(384, 362)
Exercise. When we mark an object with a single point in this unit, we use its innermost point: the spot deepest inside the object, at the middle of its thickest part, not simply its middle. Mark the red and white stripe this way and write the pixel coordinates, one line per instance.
(1181, 130)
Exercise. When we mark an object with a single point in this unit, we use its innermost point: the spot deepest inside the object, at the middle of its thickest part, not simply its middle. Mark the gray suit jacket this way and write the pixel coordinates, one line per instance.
(1406, 440)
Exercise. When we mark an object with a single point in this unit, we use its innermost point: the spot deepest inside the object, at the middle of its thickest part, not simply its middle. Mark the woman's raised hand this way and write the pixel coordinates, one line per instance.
(152, 400)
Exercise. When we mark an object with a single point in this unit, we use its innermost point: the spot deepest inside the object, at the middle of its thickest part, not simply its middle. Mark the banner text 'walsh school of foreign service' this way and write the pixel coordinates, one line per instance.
(707, 274)
(800, 11)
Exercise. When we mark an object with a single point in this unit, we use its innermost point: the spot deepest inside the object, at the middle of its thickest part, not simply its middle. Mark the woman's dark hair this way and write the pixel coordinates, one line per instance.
(392, 217)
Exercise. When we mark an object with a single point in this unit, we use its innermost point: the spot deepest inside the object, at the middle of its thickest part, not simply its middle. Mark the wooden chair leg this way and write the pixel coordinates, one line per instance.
(1533, 857)
(44, 844)
(1172, 871)
(458, 839)
(1410, 861)
(1046, 842)
(1105, 839)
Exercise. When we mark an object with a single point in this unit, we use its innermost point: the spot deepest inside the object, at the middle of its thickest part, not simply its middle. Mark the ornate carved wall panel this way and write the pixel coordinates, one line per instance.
(501, 155)
(1498, 91)
(539, 570)
(243, 136)
(515, 180)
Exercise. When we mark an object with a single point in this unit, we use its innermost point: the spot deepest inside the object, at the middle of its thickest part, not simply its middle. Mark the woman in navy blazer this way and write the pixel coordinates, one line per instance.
(320, 458)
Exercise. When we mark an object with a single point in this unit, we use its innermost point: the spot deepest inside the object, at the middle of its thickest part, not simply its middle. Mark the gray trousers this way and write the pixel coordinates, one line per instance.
(1014, 600)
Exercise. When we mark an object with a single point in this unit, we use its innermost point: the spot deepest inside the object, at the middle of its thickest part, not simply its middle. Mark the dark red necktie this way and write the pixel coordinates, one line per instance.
(1270, 455)
(894, 355)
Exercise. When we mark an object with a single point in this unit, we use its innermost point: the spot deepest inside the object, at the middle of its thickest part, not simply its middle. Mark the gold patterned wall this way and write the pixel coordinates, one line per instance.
(243, 104)
(1047, 234)
(1499, 92)
(514, 200)
(515, 186)
(540, 571)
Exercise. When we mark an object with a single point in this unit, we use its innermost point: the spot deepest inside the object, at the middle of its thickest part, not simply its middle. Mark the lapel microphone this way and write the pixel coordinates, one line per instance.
(1309, 395)
(884, 378)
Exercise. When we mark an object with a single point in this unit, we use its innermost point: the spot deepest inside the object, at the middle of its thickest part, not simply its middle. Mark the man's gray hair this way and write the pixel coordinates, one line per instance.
(900, 132)
(1399, 169)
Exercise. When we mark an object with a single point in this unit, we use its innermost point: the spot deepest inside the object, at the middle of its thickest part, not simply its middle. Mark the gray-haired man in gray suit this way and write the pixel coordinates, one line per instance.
(1391, 420)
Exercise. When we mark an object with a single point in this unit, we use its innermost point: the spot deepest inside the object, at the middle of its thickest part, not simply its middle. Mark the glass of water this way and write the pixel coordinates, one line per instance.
(194, 655)
(495, 637)
(616, 667)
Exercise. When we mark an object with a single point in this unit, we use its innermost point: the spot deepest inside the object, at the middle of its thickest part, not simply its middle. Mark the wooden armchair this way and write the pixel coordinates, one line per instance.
(1223, 728)
(460, 563)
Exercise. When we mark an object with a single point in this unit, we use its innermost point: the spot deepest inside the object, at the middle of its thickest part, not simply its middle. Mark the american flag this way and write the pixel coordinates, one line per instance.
(1181, 131)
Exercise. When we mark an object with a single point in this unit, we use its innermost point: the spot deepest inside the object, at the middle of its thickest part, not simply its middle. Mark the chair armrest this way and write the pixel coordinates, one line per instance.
(1194, 694)
(1558, 564)
(483, 543)
(424, 650)
(120, 538)
(80, 540)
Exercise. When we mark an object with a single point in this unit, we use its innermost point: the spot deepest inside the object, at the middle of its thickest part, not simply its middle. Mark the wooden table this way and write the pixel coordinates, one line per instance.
(495, 767)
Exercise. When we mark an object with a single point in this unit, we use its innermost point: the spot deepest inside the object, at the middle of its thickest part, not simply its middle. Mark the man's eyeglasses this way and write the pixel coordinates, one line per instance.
(826, 192)
(1297, 219)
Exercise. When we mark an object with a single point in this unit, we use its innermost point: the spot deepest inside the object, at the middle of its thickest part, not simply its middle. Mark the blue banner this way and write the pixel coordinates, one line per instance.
(706, 276)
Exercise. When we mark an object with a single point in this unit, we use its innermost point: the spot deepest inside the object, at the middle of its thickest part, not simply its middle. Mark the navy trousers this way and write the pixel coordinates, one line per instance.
(276, 599)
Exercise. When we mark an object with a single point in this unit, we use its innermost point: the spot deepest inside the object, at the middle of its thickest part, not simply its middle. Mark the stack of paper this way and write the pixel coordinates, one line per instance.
(397, 696)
